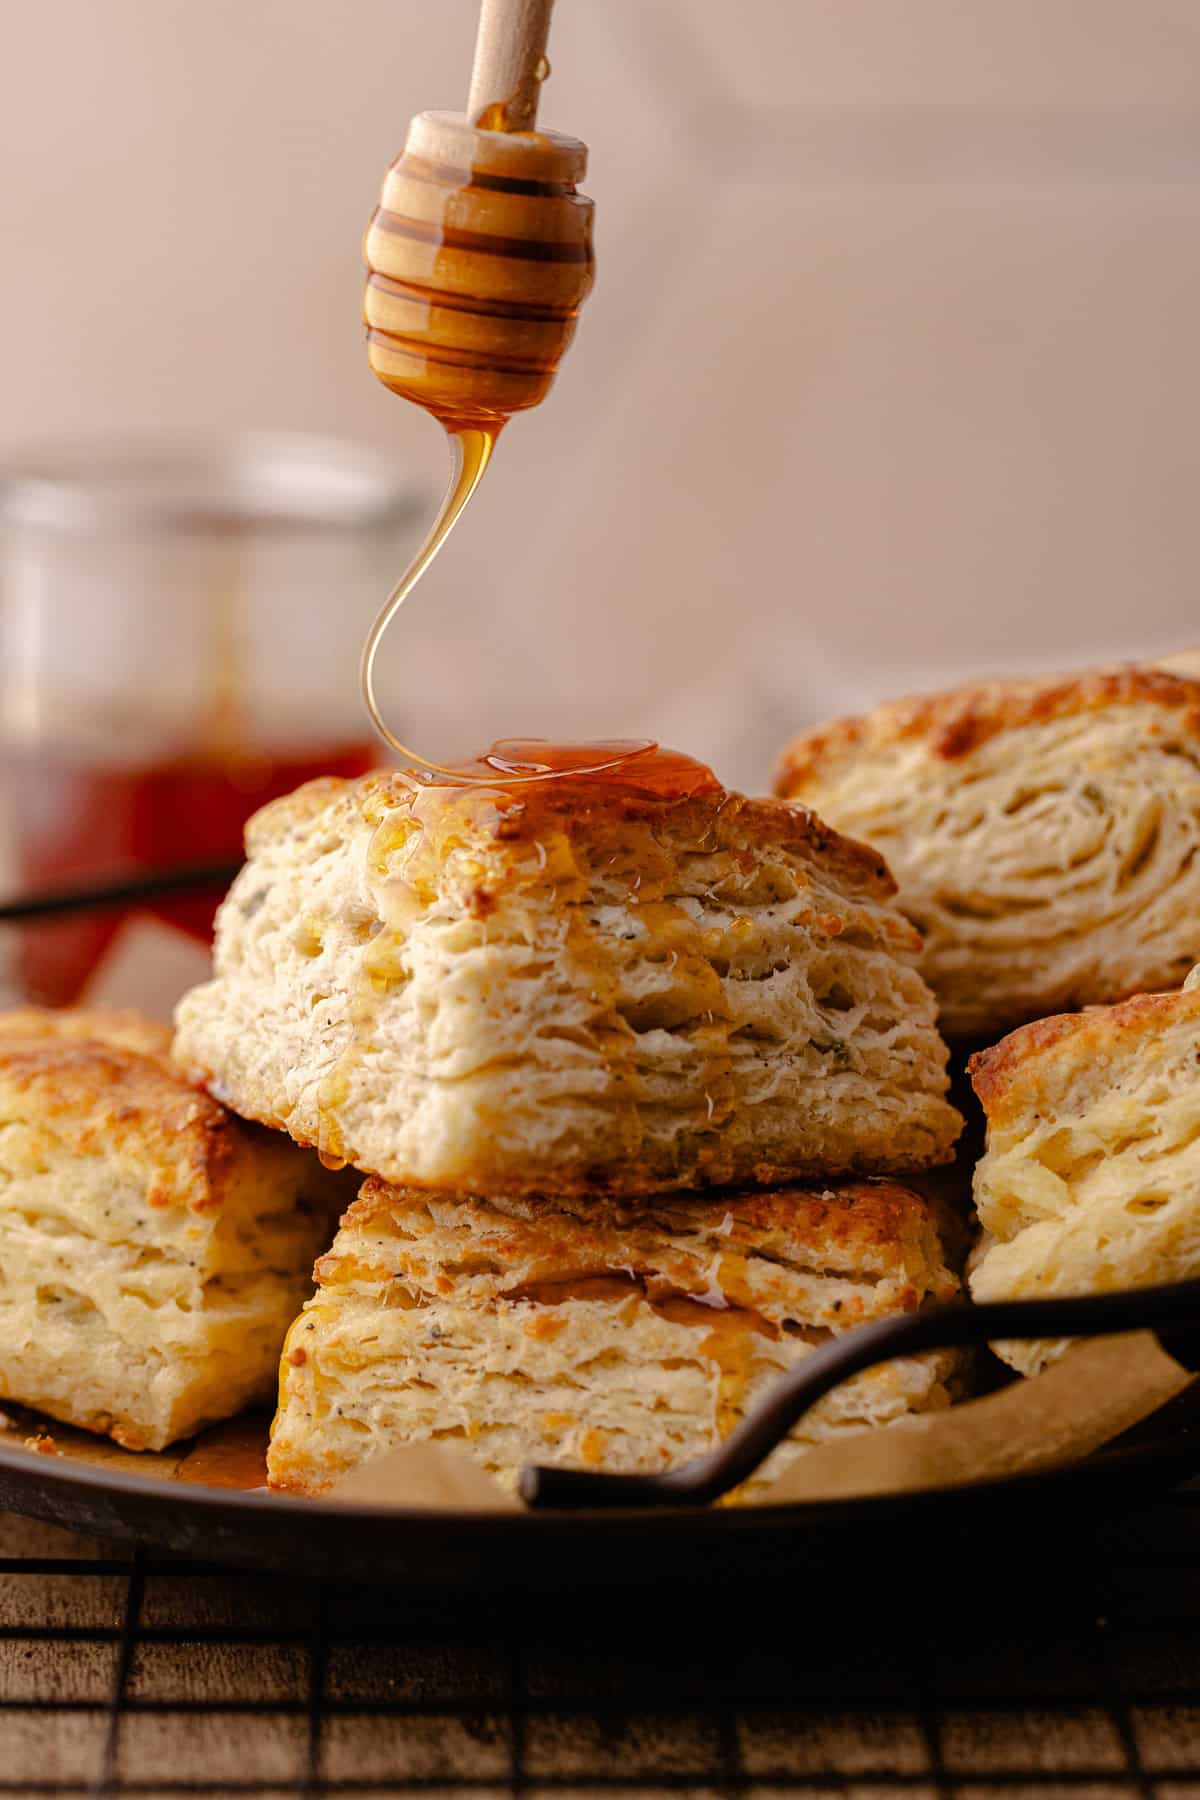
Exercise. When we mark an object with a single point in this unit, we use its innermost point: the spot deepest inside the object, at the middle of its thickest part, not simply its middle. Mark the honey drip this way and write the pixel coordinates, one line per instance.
(473, 446)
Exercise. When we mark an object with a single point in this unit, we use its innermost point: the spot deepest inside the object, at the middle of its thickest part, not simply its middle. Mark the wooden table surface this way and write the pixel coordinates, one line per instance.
(122, 1672)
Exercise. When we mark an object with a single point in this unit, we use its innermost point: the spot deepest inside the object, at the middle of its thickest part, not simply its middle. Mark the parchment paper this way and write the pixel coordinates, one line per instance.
(1091, 1395)
(428, 1476)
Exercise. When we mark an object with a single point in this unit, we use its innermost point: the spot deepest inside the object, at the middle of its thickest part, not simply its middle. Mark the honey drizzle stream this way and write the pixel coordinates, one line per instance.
(472, 446)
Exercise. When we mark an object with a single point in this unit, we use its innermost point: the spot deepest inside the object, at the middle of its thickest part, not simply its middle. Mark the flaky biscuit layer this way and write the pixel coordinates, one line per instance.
(153, 1249)
(1045, 834)
(1091, 1179)
(622, 1336)
(570, 990)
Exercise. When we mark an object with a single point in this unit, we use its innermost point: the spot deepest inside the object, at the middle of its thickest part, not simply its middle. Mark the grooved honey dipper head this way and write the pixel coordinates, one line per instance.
(480, 256)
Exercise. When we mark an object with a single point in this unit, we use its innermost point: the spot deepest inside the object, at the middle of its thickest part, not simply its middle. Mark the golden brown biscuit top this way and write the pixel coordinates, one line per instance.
(599, 819)
(873, 1230)
(960, 720)
(1010, 1077)
(99, 1096)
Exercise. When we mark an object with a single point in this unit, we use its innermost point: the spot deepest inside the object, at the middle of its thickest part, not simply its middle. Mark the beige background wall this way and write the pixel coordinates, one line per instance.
(890, 374)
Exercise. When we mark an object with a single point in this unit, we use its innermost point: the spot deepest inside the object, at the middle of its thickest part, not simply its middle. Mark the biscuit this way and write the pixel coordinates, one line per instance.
(570, 988)
(1045, 835)
(153, 1249)
(615, 1335)
(1091, 1177)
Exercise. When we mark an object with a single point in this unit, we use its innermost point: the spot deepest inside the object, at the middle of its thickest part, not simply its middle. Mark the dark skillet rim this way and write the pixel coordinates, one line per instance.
(1177, 1448)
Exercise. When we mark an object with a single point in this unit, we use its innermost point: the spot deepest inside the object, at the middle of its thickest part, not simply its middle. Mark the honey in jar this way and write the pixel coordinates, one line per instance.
(169, 661)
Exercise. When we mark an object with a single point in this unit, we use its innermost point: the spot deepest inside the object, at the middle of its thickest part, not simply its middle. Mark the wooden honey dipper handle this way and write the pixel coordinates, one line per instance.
(510, 63)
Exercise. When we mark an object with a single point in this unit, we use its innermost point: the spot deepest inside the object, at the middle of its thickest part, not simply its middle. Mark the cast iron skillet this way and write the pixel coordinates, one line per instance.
(591, 1528)
(584, 1529)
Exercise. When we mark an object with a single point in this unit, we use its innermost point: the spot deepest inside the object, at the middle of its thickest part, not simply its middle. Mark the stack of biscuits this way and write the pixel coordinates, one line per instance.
(630, 1073)
(627, 1091)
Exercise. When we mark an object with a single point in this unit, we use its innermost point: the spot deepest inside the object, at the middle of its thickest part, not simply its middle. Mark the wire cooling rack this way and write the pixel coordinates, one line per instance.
(980, 1671)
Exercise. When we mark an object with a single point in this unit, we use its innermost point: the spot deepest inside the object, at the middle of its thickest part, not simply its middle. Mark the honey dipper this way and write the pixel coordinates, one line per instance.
(479, 257)
(480, 251)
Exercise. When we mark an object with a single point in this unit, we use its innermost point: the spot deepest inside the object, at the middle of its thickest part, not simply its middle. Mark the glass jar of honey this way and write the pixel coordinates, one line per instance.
(180, 627)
